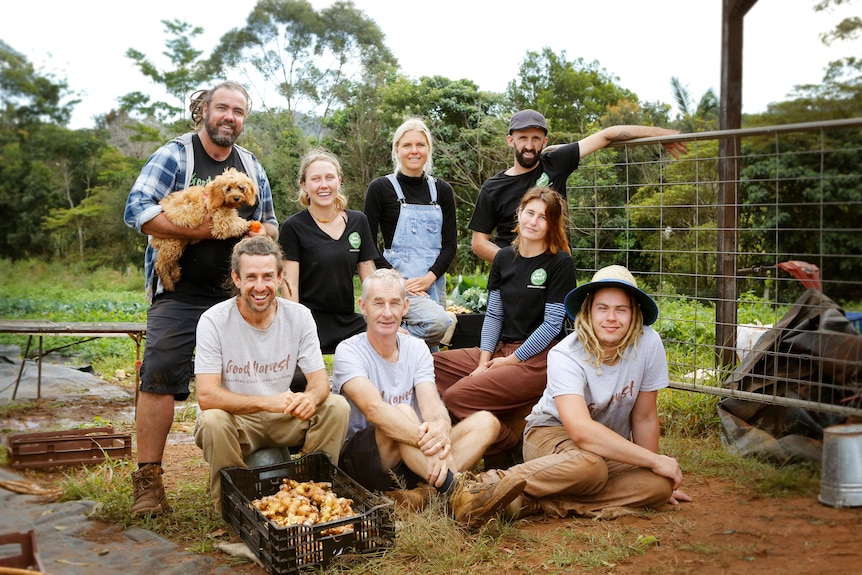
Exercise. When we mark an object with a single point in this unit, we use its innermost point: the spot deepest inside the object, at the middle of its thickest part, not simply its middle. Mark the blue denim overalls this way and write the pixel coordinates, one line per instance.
(415, 246)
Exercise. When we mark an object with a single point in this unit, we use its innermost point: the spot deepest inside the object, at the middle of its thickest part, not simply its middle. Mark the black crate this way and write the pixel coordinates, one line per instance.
(288, 549)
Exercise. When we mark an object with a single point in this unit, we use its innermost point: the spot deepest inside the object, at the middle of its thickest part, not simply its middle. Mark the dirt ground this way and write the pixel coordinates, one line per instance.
(723, 531)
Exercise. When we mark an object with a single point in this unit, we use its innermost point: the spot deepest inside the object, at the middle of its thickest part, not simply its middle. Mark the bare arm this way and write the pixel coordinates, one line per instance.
(645, 427)
(212, 395)
(290, 288)
(386, 418)
(594, 437)
(645, 432)
(483, 246)
(269, 230)
(365, 269)
(604, 138)
(161, 227)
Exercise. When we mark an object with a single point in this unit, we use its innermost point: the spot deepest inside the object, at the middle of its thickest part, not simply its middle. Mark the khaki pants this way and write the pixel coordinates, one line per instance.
(226, 438)
(565, 479)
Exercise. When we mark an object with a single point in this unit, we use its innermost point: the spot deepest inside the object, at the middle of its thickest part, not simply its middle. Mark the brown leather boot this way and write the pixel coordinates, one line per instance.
(150, 498)
(413, 499)
(473, 503)
(522, 506)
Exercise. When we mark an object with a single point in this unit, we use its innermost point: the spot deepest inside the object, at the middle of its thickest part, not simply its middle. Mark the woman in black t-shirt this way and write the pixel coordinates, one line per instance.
(527, 286)
(324, 246)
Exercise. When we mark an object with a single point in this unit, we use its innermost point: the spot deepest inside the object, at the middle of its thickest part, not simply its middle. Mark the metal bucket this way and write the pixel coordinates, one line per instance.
(841, 471)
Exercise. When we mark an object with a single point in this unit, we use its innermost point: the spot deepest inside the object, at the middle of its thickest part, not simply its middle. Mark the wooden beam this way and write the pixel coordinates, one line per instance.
(730, 118)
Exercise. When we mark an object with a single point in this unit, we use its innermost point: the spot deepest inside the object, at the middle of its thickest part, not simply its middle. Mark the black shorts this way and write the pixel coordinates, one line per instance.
(167, 366)
(360, 459)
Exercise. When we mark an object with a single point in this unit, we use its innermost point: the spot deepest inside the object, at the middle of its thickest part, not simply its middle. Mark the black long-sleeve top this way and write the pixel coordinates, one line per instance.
(382, 209)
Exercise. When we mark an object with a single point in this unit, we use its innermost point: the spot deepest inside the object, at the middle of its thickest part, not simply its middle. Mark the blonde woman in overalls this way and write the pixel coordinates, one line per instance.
(415, 214)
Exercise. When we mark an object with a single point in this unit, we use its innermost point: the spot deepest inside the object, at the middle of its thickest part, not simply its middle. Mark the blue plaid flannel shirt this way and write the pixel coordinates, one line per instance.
(166, 171)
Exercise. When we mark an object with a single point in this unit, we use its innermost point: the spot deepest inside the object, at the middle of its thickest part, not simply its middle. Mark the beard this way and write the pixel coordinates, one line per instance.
(527, 162)
(218, 138)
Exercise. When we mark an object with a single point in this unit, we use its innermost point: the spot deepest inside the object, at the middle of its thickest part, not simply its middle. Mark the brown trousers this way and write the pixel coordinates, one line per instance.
(565, 479)
(503, 391)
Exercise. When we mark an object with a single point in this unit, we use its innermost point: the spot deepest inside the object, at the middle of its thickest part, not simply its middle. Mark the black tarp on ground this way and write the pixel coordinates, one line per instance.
(69, 543)
(813, 353)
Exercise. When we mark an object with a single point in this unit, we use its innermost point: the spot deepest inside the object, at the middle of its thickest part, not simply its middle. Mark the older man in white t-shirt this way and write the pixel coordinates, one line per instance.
(398, 424)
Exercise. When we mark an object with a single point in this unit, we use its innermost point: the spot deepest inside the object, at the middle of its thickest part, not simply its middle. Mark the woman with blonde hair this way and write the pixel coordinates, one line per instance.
(527, 287)
(415, 213)
(324, 246)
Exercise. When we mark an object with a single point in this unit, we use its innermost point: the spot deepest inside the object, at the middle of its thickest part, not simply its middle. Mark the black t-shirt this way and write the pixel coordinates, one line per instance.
(206, 264)
(383, 210)
(501, 195)
(525, 285)
(326, 270)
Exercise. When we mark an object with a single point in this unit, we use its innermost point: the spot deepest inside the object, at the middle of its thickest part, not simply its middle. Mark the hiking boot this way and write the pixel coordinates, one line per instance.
(521, 506)
(472, 502)
(413, 499)
(149, 494)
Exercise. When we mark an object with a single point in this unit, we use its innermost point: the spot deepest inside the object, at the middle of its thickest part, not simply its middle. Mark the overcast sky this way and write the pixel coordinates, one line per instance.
(641, 42)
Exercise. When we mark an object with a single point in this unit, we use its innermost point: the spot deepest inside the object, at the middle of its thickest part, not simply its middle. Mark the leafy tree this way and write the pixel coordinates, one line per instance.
(310, 58)
(847, 29)
(465, 125)
(279, 142)
(674, 226)
(29, 97)
(34, 109)
(573, 96)
(189, 73)
(691, 118)
(105, 238)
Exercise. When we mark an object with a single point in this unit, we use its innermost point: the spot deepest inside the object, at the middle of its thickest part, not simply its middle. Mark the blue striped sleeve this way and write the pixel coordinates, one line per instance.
(492, 327)
(542, 336)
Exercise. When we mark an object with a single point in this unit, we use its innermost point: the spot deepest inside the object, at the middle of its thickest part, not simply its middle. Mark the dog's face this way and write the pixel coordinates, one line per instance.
(231, 189)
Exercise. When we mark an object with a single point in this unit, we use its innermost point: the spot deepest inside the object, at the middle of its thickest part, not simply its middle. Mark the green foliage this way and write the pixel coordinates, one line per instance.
(813, 169)
(688, 414)
(29, 98)
(188, 74)
(573, 96)
(55, 293)
(695, 118)
(470, 292)
(752, 477)
(307, 56)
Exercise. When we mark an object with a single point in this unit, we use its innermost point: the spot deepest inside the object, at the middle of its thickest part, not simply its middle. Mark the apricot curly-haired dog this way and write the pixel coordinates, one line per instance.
(188, 208)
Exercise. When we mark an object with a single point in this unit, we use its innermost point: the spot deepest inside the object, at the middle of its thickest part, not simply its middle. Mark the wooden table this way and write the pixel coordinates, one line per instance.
(86, 330)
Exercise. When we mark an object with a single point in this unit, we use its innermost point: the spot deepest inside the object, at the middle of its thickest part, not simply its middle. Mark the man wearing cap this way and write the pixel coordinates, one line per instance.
(591, 442)
(528, 135)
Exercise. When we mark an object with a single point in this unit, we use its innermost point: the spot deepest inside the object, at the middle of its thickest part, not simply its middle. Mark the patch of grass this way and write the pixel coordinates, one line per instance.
(189, 524)
(187, 411)
(688, 414)
(710, 458)
(597, 549)
(431, 542)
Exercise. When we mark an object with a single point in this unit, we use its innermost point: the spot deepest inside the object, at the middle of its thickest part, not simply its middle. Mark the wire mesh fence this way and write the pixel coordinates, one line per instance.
(752, 245)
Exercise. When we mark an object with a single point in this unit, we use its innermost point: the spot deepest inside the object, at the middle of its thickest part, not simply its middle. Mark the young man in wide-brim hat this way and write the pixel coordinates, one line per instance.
(591, 442)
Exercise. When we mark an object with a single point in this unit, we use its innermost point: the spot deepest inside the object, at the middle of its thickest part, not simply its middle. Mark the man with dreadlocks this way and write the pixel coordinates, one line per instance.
(591, 442)
(195, 158)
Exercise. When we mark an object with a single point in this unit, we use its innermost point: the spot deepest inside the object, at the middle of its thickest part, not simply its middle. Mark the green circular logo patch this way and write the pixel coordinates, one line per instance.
(543, 180)
(539, 277)
(354, 239)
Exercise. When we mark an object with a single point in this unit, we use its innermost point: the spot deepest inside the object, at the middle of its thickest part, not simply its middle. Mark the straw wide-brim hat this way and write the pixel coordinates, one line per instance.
(612, 276)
